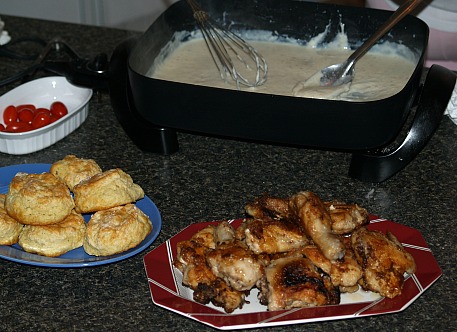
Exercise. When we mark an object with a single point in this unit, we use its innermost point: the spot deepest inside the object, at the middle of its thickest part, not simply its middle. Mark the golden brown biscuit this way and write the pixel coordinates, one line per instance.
(2, 201)
(72, 170)
(9, 228)
(38, 199)
(116, 230)
(106, 190)
(54, 240)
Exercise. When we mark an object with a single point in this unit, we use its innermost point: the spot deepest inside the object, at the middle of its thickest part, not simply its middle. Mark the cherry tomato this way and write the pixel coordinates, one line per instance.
(54, 118)
(58, 109)
(28, 106)
(18, 127)
(25, 115)
(41, 120)
(9, 114)
(42, 110)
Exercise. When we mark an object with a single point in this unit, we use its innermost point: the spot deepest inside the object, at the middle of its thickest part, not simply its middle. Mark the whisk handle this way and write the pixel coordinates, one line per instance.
(199, 14)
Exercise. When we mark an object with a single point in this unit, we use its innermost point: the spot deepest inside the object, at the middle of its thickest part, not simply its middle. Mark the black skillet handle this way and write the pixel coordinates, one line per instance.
(147, 136)
(100, 73)
(436, 92)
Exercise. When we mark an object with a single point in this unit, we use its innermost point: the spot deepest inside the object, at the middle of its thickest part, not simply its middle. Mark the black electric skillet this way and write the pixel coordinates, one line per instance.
(152, 111)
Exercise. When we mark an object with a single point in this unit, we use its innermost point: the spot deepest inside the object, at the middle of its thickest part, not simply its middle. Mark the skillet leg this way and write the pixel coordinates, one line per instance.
(377, 166)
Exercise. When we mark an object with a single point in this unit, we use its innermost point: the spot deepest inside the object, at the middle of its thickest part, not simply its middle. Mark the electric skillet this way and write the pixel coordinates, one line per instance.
(382, 135)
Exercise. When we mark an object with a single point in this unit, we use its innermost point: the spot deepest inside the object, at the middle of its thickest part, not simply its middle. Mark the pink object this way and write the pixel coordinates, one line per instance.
(441, 17)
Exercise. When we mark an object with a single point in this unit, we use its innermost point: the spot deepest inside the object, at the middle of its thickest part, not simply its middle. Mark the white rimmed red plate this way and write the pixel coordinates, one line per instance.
(167, 291)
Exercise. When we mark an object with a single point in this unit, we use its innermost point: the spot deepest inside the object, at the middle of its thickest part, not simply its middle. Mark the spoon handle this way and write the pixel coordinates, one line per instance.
(404, 9)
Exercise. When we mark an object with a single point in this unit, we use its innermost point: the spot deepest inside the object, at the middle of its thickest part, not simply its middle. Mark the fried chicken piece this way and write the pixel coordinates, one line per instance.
(197, 275)
(384, 261)
(240, 234)
(267, 207)
(316, 223)
(221, 295)
(294, 281)
(273, 236)
(191, 261)
(206, 237)
(236, 265)
(191, 258)
(345, 218)
(224, 233)
(345, 273)
(272, 229)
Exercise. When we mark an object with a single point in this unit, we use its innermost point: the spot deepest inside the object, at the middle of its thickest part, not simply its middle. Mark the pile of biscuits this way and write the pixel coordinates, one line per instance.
(43, 213)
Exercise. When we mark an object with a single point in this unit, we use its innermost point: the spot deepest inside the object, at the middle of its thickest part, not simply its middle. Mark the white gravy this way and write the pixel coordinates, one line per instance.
(294, 70)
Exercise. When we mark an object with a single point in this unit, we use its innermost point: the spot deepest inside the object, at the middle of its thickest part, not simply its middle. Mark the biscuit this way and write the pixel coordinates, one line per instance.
(9, 227)
(38, 199)
(54, 240)
(116, 230)
(2, 201)
(106, 190)
(72, 170)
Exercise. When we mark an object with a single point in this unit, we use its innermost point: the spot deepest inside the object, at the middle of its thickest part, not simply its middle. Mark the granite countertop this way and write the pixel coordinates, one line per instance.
(211, 179)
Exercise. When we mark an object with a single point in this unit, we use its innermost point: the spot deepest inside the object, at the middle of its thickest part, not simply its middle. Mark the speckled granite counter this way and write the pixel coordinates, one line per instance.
(211, 179)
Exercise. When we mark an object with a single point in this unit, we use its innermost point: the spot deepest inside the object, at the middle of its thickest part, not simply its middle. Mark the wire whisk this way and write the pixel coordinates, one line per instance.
(226, 48)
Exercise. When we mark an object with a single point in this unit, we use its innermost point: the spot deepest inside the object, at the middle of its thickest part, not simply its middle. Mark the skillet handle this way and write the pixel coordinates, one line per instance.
(377, 166)
(147, 136)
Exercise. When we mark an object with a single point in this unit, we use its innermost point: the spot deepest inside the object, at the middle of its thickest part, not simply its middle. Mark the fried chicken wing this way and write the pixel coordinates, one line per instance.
(198, 275)
(206, 237)
(191, 261)
(272, 229)
(267, 207)
(384, 261)
(344, 273)
(295, 282)
(346, 218)
(316, 223)
(222, 295)
(224, 233)
(236, 265)
(273, 236)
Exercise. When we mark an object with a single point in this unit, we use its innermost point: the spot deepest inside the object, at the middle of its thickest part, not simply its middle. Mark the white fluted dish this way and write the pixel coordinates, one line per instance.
(43, 92)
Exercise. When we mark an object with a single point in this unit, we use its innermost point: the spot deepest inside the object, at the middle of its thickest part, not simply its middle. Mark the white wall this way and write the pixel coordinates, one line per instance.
(135, 15)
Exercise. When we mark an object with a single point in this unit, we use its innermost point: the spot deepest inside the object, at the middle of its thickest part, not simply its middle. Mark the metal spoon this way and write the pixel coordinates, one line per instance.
(342, 73)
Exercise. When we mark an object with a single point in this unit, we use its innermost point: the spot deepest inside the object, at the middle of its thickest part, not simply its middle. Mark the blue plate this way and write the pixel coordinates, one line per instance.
(76, 257)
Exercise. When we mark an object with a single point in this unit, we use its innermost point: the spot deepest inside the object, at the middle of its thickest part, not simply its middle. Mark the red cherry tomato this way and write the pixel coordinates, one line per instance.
(41, 120)
(54, 118)
(9, 114)
(18, 127)
(25, 115)
(28, 106)
(58, 109)
(42, 110)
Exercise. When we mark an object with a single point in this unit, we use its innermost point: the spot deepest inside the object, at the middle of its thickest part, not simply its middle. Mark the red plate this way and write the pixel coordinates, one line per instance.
(167, 291)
